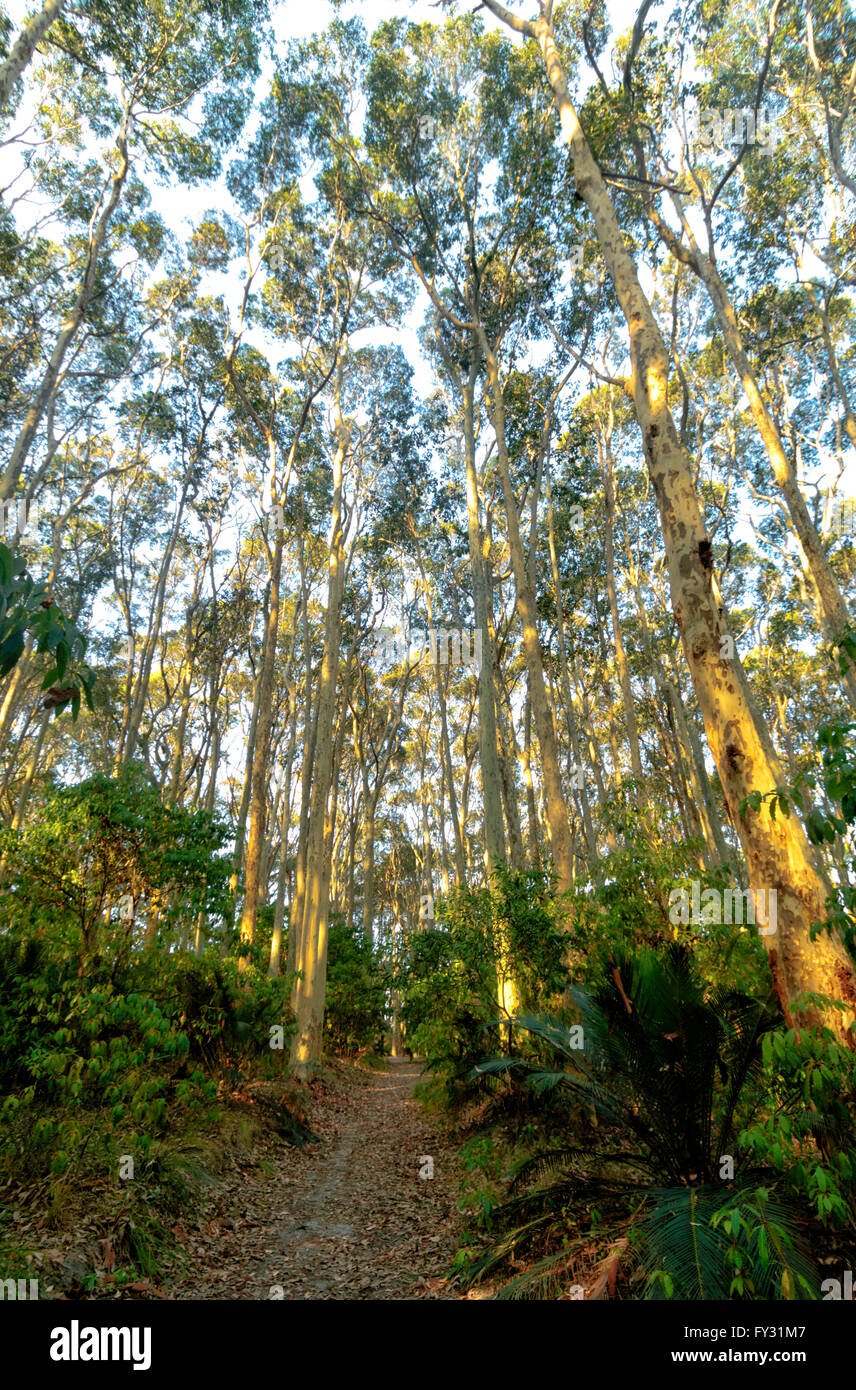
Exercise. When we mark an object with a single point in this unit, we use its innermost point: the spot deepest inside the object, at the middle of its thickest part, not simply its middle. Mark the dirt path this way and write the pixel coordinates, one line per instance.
(348, 1218)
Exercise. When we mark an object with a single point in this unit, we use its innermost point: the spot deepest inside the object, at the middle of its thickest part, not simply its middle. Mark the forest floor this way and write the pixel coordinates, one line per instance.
(348, 1217)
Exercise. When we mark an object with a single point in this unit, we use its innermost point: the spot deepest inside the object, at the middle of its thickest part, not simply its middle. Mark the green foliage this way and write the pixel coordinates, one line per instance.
(225, 1014)
(107, 1044)
(75, 1054)
(837, 747)
(809, 1137)
(625, 907)
(357, 984)
(665, 1065)
(100, 854)
(27, 608)
(695, 1246)
(481, 1161)
(448, 984)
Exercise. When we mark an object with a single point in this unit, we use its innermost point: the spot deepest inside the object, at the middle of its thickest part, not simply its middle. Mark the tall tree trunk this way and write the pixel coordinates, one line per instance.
(246, 792)
(261, 753)
(606, 471)
(282, 870)
(494, 829)
(22, 50)
(72, 320)
(557, 810)
(778, 854)
(127, 746)
(311, 946)
(445, 744)
(831, 607)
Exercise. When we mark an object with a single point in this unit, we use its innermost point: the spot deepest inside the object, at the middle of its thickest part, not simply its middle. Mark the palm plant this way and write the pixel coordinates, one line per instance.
(664, 1065)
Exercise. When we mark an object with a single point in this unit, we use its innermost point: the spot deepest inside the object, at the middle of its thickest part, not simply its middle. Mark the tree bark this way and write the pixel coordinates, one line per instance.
(22, 50)
(778, 854)
(311, 946)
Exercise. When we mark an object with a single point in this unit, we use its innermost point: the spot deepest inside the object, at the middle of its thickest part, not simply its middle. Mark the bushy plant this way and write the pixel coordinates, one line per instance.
(663, 1062)
(449, 989)
(357, 985)
(106, 863)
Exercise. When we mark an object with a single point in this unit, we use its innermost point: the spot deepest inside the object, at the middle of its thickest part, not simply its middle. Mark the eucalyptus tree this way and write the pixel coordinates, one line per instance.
(360, 404)
(135, 75)
(777, 850)
(705, 182)
(449, 102)
(21, 51)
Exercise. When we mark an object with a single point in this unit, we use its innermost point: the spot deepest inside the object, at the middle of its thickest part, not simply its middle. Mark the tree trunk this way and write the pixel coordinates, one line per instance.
(778, 854)
(494, 829)
(22, 50)
(72, 320)
(261, 754)
(311, 946)
(557, 810)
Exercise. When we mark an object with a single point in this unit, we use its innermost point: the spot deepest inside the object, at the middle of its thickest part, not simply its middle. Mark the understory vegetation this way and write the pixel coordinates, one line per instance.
(427, 582)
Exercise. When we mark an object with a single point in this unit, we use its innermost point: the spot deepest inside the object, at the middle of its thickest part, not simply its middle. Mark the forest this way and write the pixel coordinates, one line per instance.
(427, 668)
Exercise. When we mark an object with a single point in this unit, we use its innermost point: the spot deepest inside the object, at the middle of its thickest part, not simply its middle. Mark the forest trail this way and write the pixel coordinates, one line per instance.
(346, 1218)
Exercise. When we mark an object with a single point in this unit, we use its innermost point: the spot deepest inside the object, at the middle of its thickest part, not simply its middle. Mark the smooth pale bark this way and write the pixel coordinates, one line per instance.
(565, 683)
(184, 696)
(310, 725)
(607, 474)
(534, 846)
(330, 858)
(372, 791)
(684, 724)
(127, 746)
(210, 801)
(600, 633)
(676, 759)
(295, 916)
(831, 607)
(494, 820)
(704, 799)
(72, 320)
(427, 845)
(22, 50)
(504, 742)
(777, 851)
(246, 792)
(284, 824)
(311, 945)
(494, 828)
(557, 809)
(261, 753)
(509, 755)
(445, 744)
(24, 795)
(350, 887)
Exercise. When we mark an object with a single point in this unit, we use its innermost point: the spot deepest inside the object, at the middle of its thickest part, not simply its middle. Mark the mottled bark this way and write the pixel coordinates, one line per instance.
(777, 852)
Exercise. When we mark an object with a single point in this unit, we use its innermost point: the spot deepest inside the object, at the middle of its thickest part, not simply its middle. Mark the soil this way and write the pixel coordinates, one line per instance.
(368, 1212)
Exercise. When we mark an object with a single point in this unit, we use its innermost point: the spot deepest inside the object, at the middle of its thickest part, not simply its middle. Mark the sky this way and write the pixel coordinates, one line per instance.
(183, 208)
